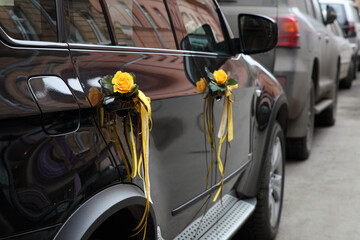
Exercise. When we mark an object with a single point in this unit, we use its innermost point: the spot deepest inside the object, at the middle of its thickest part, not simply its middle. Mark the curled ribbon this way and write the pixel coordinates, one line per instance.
(225, 130)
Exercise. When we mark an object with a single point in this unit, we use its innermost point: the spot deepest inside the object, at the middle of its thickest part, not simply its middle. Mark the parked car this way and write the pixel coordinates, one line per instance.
(62, 174)
(348, 18)
(347, 56)
(306, 63)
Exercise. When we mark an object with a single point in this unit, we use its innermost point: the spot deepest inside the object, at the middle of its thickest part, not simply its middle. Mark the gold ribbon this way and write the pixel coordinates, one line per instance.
(143, 107)
(226, 130)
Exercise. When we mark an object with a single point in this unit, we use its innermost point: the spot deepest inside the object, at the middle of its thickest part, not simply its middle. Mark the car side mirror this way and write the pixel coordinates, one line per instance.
(331, 15)
(256, 33)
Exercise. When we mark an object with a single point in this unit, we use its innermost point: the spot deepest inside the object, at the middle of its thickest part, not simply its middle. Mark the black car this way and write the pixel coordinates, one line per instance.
(81, 158)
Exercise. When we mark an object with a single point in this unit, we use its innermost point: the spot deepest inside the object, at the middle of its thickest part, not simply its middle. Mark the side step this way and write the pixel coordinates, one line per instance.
(220, 222)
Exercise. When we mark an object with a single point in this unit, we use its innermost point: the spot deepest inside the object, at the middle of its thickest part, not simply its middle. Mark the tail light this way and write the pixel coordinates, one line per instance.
(351, 31)
(288, 32)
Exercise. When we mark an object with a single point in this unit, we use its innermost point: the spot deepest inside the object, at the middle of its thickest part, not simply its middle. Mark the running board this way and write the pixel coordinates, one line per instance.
(321, 106)
(221, 221)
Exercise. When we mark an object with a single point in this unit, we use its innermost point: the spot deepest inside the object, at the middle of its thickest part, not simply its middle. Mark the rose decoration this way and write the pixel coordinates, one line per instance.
(216, 85)
(124, 102)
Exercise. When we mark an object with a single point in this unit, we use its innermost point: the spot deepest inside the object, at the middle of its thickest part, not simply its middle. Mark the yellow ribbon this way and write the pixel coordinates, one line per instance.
(226, 120)
(142, 104)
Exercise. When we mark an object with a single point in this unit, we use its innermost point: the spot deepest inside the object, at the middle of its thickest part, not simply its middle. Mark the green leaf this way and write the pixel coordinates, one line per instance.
(232, 81)
(209, 74)
(106, 83)
(214, 87)
(134, 77)
(135, 89)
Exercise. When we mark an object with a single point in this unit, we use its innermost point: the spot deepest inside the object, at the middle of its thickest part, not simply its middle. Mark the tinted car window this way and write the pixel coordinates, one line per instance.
(246, 3)
(141, 23)
(340, 11)
(202, 26)
(301, 5)
(355, 11)
(29, 20)
(87, 23)
(310, 8)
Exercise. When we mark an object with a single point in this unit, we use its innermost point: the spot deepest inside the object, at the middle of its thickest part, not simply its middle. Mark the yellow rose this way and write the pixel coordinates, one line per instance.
(220, 76)
(201, 85)
(95, 96)
(123, 82)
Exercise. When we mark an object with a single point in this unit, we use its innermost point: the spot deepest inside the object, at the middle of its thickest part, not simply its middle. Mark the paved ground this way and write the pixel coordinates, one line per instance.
(322, 194)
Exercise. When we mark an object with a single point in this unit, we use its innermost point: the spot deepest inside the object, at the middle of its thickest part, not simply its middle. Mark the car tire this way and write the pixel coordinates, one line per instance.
(300, 148)
(264, 222)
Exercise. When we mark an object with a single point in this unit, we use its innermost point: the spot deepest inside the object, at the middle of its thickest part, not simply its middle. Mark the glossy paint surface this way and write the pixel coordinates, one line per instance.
(44, 177)
(55, 154)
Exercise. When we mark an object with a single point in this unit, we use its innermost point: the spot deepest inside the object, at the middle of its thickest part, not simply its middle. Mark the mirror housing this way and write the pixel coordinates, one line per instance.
(256, 34)
(331, 15)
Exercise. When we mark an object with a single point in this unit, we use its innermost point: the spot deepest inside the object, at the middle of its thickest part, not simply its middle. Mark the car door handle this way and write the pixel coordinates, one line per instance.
(319, 36)
(327, 39)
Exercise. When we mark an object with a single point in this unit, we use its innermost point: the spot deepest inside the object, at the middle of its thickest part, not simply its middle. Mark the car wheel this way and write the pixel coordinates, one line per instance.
(328, 117)
(264, 222)
(347, 82)
(300, 148)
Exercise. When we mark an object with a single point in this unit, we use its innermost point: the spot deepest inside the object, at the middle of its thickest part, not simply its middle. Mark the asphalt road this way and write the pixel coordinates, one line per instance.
(322, 194)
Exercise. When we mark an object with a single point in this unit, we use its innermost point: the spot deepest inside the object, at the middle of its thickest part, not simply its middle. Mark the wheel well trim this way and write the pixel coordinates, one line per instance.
(280, 109)
(90, 215)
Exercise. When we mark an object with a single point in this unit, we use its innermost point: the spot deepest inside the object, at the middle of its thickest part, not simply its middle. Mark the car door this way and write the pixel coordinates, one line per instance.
(328, 53)
(215, 54)
(51, 153)
(143, 44)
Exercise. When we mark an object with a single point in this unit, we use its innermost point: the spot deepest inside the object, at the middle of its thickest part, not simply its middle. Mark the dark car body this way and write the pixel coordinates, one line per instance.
(60, 174)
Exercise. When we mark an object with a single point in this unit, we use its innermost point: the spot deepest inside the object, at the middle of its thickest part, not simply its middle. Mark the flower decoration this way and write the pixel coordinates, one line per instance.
(201, 85)
(95, 96)
(216, 83)
(124, 102)
(215, 86)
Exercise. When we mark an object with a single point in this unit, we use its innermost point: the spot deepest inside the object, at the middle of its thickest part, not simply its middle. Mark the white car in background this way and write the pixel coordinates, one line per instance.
(347, 54)
(348, 17)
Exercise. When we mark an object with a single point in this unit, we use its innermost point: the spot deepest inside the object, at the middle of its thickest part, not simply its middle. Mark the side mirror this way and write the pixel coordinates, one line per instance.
(331, 15)
(256, 33)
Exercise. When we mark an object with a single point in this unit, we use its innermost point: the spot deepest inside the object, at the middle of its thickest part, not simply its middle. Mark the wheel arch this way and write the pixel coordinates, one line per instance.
(279, 114)
(94, 212)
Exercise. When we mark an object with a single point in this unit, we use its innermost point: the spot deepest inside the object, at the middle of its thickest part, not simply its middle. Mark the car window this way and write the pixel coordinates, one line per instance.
(302, 6)
(203, 30)
(86, 23)
(310, 8)
(252, 3)
(355, 11)
(340, 11)
(29, 20)
(317, 9)
(141, 23)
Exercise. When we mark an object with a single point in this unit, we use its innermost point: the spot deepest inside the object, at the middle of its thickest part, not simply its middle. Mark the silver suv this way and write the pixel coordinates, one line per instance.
(306, 63)
(348, 18)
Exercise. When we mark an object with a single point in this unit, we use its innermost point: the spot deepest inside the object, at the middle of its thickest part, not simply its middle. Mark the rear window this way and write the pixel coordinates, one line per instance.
(29, 20)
